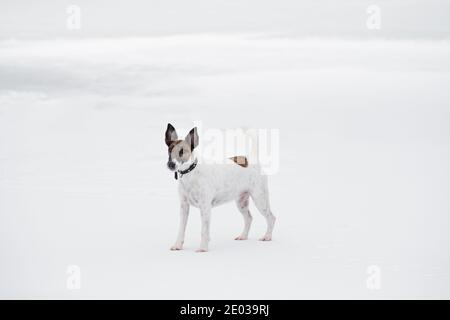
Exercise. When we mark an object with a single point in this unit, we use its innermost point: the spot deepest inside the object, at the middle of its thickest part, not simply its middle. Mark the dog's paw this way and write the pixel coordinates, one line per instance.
(176, 246)
(266, 238)
(201, 250)
(241, 238)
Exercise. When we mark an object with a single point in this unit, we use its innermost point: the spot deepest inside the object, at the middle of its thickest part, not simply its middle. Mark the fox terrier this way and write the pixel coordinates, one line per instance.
(205, 186)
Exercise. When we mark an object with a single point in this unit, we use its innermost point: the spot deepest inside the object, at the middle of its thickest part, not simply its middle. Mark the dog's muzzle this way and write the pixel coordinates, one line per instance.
(171, 165)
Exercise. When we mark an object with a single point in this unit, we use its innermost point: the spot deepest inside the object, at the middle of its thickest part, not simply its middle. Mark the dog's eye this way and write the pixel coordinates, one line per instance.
(181, 153)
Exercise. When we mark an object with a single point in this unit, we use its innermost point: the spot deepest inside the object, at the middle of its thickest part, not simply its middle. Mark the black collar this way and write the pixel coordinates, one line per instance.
(183, 172)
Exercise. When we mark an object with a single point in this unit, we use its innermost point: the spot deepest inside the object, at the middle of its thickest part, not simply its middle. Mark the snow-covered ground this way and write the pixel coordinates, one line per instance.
(364, 176)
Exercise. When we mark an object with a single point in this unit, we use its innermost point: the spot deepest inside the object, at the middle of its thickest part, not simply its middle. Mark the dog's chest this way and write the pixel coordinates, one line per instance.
(196, 195)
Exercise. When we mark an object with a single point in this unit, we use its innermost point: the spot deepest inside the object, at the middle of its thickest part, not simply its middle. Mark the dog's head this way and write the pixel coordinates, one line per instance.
(180, 151)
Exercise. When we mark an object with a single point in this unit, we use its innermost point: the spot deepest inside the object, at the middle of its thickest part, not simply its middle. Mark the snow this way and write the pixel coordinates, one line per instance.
(363, 174)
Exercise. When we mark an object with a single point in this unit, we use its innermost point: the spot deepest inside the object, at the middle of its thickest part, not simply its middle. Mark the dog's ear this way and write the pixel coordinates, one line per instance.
(192, 138)
(171, 134)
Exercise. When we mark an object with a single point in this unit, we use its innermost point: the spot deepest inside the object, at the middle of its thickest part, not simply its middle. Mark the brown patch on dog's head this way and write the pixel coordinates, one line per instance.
(180, 151)
(240, 160)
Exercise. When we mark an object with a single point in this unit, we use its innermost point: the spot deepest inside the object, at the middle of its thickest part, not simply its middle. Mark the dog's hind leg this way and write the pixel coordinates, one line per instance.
(242, 204)
(260, 197)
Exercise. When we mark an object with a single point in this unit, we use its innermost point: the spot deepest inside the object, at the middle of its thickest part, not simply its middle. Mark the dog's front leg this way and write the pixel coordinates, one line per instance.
(184, 213)
(206, 215)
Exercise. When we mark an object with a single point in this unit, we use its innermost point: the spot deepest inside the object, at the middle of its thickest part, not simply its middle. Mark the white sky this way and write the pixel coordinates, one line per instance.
(400, 18)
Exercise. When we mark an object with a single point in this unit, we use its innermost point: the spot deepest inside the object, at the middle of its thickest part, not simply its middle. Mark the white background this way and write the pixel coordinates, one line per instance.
(364, 151)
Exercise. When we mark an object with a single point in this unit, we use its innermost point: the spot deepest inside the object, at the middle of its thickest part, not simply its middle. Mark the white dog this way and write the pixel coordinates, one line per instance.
(207, 185)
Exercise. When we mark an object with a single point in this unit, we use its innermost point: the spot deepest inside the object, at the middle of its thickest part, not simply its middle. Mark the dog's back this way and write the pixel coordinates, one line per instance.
(221, 183)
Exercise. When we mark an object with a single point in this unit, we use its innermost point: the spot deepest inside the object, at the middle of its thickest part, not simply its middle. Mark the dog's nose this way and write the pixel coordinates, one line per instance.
(171, 165)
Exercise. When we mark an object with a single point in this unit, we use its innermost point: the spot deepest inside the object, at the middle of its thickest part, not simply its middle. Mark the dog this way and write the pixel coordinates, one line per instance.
(205, 186)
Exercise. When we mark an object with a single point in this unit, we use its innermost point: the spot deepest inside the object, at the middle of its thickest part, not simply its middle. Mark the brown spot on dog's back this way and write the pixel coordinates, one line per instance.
(240, 160)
